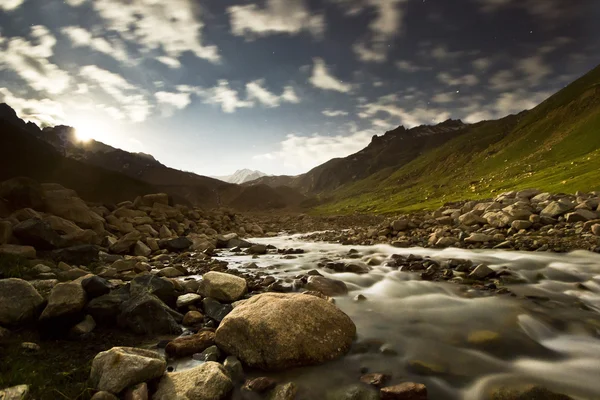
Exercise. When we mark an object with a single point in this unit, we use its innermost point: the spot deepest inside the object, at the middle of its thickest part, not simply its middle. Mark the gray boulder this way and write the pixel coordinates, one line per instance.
(19, 302)
(222, 287)
(208, 381)
(144, 313)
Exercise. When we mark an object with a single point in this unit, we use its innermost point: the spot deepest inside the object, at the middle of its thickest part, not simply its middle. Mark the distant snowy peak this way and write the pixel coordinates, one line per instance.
(241, 176)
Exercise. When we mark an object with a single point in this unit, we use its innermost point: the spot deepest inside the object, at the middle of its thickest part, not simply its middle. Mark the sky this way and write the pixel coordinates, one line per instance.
(281, 86)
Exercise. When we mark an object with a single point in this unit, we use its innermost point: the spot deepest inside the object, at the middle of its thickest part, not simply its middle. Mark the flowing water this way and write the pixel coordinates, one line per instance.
(458, 341)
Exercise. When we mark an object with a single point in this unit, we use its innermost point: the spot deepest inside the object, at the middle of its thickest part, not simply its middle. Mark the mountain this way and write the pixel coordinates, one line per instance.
(553, 147)
(241, 176)
(99, 172)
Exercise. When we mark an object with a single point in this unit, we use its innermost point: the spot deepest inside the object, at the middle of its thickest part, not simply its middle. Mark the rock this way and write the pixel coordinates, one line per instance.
(106, 308)
(37, 233)
(483, 337)
(211, 353)
(162, 288)
(140, 249)
(375, 379)
(5, 232)
(400, 225)
(175, 245)
(257, 249)
(83, 254)
(521, 224)
(19, 302)
(145, 313)
(527, 392)
(528, 193)
(125, 243)
(208, 381)
(234, 368)
(327, 286)
(65, 203)
(479, 238)
(596, 229)
(404, 391)
(259, 385)
(17, 250)
(286, 391)
(481, 272)
(30, 347)
(4, 334)
(222, 287)
(72, 274)
(498, 219)
(353, 392)
(149, 199)
(188, 345)
(426, 368)
(193, 318)
(121, 367)
(22, 192)
(223, 241)
(471, 218)
(95, 286)
(556, 209)
(84, 327)
(20, 392)
(278, 331)
(215, 310)
(138, 392)
(104, 396)
(170, 272)
(66, 300)
(446, 241)
(188, 299)
(581, 215)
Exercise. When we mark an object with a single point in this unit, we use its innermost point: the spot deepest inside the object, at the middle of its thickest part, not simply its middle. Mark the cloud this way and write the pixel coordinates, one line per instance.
(443, 98)
(83, 38)
(226, 97)
(75, 3)
(277, 17)
(30, 60)
(410, 118)
(408, 66)
(302, 153)
(508, 103)
(465, 80)
(131, 99)
(534, 69)
(323, 80)
(334, 113)
(482, 63)
(256, 91)
(289, 95)
(155, 25)
(177, 100)
(169, 61)
(10, 5)
(546, 9)
(40, 111)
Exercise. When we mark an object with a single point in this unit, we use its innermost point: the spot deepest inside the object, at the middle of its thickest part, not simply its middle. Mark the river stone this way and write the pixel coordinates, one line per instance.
(81, 254)
(170, 272)
(581, 215)
(404, 391)
(140, 249)
(212, 353)
(215, 310)
(327, 286)
(353, 392)
(521, 224)
(175, 245)
(5, 231)
(259, 385)
(121, 367)
(19, 301)
(104, 396)
(234, 368)
(208, 381)
(125, 243)
(66, 299)
(15, 393)
(188, 299)
(471, 218)
(400, 225)
(37, 233)
(95, 286)
(555, 209)
(223, 287)
(144, 313)
(192, 318)
(286, 391)
(528, 392)
(596, 229)
(274, 331)
(479, 238)
(84, 327)
(481, 272)
(18, 250)
(188, 345)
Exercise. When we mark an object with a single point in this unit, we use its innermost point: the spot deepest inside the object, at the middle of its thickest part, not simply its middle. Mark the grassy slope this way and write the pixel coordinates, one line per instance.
(554, 147)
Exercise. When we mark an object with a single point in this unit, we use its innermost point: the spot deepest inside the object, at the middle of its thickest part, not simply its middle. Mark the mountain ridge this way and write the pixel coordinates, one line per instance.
(241, 176)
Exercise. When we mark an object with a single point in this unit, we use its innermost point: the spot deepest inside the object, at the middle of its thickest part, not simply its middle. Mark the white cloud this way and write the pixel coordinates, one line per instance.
(482, 63)
(534, 69)
(508, 103)
(30, 60)
(409, 118)
(443, 98)
(83, 38)
(40, 111)
(171, 26)
(177, 100)
(132, 100)
(408, 66)
(256, 91)
(9, 5)
(170, 62)
(547, 9)
(75, 3)
(503, 80)
(226, 97)
(323, 80)
(334, 113)
(465, 80)
(277, 17)
(302, 153)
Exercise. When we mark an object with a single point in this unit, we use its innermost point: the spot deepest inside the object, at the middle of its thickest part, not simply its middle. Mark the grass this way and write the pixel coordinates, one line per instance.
(13, 266)
(554, 147)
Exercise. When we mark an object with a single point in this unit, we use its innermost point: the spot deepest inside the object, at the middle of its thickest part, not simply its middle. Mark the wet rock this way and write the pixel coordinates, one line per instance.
(278, 331)
(258, 249)
(353, 392)
(529, 392)
(193, 318)
(483, 338)
(19, 302)
(222, 287)
(426, 368)
(234, 368)
(481, 272)
(179, 244)
(360, 297)
(95, 286)
(144, 313)
(188, 345)
(404, 391)
(596, 229)
(259, 385)
(375, 379)
(208, 381)
(15, 393)
(215, 310)
(327, 286)
(211, 353)
(121, 367)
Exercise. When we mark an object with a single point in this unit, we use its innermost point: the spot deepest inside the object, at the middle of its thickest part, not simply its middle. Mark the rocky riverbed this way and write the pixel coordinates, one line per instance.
(146, 299)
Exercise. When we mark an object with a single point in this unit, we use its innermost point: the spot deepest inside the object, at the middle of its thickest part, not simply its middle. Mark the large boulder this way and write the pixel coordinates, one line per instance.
(144, 313)
(222, 287)
(66, 204)
(175, 245)
(19, 301)
(208, 381)
(556, 209)
(18, 250)
(149, 199)
(105, 309)
(22, 192)
(162, 288)
(581, 215)
(121, 367)
(66, 300)
(471, 218)
(125, 243)
(37, 233)
(81, 254)
(62, 226)
(275, 331)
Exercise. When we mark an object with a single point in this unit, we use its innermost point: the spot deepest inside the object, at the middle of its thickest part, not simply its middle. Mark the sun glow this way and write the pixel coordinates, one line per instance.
(88, 129)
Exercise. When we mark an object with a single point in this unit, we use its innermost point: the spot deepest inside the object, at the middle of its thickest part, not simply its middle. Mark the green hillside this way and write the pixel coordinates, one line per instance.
(554, 147)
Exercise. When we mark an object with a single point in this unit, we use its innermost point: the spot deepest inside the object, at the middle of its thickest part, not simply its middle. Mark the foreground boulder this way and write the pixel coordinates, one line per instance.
(222, 287)
(37, 233)
(120, 367)
(208, 381)
(144, 313)
(19, 301)
(277, 331)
